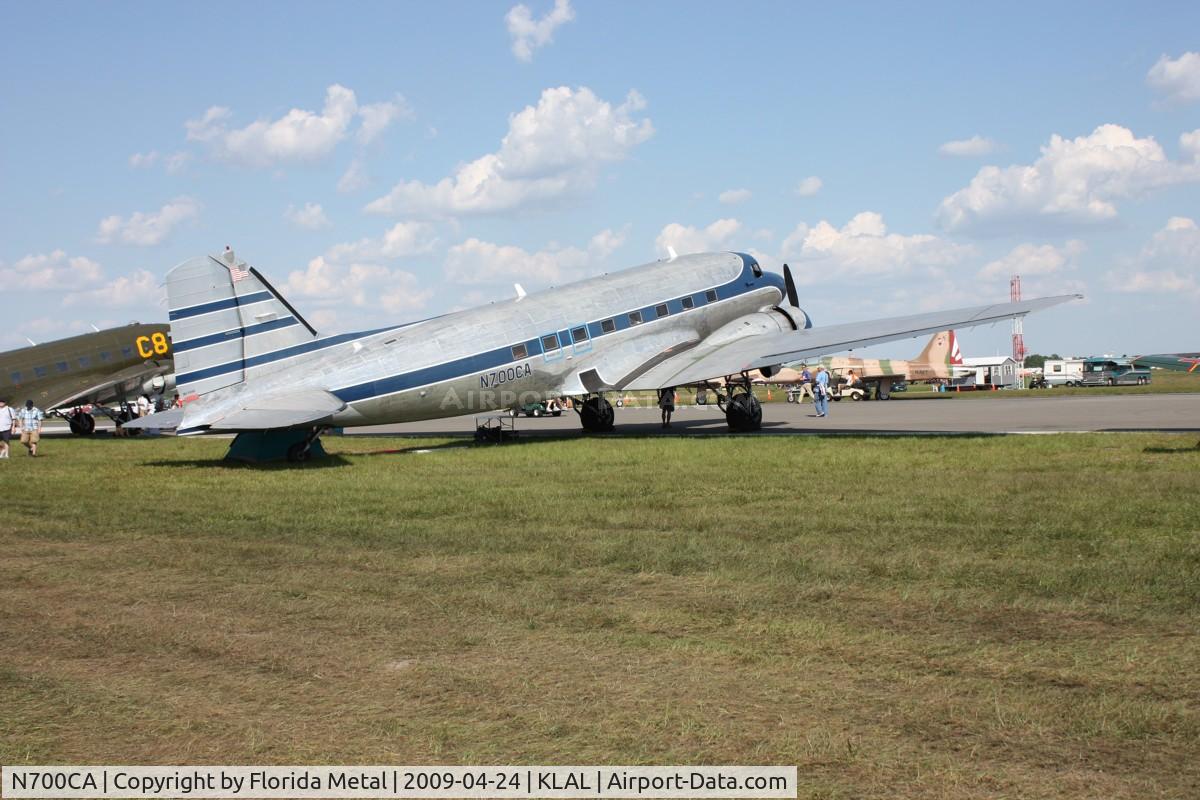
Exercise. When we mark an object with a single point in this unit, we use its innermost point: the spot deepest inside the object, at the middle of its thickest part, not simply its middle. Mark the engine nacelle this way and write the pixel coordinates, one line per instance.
(159, 384)
(771, 371)
(773, 320)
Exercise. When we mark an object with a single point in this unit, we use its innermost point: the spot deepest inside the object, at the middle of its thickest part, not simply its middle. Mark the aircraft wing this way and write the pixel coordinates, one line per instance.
(106, 386)
(294, 409)
(1180, 362)
(163, 420)
(703, 362)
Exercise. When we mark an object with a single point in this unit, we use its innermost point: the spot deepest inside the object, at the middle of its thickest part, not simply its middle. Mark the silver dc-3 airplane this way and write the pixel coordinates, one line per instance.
(247, 362)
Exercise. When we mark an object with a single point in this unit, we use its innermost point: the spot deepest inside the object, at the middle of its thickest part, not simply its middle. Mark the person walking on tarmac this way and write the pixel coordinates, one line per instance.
(8, 421)
(821, 392)
(666, 402)
(806, 385)
(31, 426)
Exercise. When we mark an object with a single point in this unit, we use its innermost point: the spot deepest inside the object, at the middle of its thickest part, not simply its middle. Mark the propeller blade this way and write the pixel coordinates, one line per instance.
(793, 298)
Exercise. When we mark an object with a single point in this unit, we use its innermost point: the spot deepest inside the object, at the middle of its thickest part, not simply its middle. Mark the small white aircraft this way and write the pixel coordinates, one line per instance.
(247, 362)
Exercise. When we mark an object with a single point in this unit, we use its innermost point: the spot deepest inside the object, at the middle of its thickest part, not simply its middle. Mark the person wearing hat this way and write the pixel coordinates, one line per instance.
(31, 426)
(8, 421)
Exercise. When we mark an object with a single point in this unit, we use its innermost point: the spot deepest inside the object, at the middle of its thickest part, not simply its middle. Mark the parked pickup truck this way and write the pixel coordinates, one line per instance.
(1113, 372)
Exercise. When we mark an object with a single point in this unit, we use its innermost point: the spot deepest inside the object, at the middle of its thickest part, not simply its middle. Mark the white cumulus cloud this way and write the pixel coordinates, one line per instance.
(685, 239)
(731, 197)
(864, 247)
(1074, 183)
(378, 117)
(553, 149)
(528, 34)
(1168, 264)
(1177, 79)
(475, 261)
(1031, 259)
(402, 240)
(300, 135)
(172, 162)
(53, 270)
(141, 288)
(147, 228)
(311, 216)
(975, 146)
(363, 285)
(354, 178)
(809, 186)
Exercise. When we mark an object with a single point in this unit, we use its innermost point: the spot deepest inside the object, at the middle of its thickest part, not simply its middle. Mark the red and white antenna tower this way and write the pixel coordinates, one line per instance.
(1018, 327)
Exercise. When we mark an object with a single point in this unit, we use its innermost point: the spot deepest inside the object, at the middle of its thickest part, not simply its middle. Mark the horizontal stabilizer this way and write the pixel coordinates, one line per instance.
(163, 420)
(294, 409)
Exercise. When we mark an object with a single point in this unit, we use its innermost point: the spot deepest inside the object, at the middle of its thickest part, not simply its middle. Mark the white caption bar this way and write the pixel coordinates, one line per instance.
(316, 783)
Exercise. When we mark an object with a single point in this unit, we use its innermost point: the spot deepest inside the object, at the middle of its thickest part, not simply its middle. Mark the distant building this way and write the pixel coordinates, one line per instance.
(998, 371)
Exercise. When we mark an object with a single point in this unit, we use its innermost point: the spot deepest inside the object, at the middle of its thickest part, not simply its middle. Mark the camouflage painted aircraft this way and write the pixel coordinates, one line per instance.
(1179, 362)
(84, 374)
(878, 374)
(247, 362)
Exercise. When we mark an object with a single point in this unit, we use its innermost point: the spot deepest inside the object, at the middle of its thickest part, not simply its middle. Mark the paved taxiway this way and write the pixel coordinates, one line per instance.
(1033, 414)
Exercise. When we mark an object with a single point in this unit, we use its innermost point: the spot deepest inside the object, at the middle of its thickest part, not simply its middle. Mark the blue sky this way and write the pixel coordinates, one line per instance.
(383, 161)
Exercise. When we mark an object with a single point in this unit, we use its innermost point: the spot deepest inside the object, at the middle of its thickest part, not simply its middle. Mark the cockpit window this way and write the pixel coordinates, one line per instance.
(755, 268)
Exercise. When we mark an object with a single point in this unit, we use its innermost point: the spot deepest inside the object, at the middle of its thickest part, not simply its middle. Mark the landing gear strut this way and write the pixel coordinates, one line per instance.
(743, 411)
(596, 414)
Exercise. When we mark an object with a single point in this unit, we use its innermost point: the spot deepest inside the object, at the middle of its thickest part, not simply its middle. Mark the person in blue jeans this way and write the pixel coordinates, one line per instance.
(821, 390)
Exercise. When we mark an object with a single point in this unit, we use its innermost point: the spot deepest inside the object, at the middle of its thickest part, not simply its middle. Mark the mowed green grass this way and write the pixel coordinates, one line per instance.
(899, 617)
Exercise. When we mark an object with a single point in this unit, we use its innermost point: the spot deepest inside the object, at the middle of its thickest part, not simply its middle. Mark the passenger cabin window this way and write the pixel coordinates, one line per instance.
(711, 295)
(127, 352)
(579, 335)
(104, 355)
(688, 303)
(635, 318)
(661, 309)
(549, 343)
(61, 366)
(85, 361)
(519, 352)
(39, 372)
(16, 377)
(608, 326)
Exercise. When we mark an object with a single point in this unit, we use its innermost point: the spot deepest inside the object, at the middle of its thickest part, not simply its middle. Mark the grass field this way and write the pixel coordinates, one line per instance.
(900, 617)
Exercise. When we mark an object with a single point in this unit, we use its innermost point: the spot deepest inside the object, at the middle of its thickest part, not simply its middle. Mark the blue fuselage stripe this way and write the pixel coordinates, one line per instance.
(277, 355)
(224, 336)
(218, 305)
(492, 359)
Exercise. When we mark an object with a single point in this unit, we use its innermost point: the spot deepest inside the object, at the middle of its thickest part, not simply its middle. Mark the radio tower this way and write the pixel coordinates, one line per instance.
(1018, 327)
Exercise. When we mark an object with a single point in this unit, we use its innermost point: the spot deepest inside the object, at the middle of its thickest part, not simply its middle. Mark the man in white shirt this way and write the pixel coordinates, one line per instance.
(143, 406)
(7, 422)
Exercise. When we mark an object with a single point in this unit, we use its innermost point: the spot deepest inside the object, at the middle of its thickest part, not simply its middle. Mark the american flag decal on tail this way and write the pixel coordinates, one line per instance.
(237, 273)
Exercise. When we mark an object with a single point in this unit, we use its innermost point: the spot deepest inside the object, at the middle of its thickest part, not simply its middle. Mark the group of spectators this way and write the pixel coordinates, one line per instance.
(26, 421)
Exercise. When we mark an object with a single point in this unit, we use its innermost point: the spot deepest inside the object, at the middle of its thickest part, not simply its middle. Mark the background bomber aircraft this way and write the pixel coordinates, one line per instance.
(246, 361)
(82, 375)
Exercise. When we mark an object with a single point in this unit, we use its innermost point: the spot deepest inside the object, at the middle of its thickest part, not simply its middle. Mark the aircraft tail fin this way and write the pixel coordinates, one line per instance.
(941, 349)
(225, 319)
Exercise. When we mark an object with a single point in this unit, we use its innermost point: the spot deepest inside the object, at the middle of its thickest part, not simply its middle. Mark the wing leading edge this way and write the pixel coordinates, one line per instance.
(704, 363)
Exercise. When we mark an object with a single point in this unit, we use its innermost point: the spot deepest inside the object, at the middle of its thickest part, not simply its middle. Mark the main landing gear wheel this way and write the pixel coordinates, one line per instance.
(597, 415)
(82, 424)
(743, 413)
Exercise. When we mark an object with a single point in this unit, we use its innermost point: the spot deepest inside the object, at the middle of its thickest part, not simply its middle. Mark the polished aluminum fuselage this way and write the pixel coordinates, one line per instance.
(464, 362)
